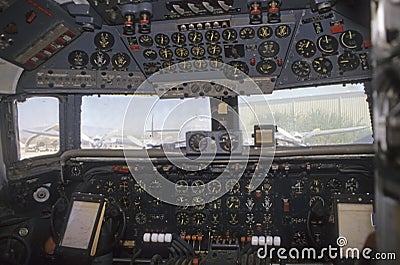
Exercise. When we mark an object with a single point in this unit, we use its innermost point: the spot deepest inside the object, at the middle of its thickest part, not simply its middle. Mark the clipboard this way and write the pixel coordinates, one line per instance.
(81, 230)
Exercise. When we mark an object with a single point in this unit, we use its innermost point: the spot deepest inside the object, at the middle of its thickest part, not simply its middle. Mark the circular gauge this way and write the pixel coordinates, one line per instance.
(237, 70)
(120, 61)
(233, 202)
(109, 186)
(99, 60)
(124, 201)
(266, 186)
(140, 218)
(351, 39)
(229, 142)
(282, 31)
(233, 186)
(146, 41)
(195, 37)
(322, 65)
(198, 142)
(214, 50)
(168, 65)
(181, 52)
(327, 44)
(214, 186)
(151, 68)
(198, 200)
(181, 186)
(198, 186)
(150, 54)
(182, 218)
(216, 62)
(247, 33)
(298, 187)
(198, 51)
(178, 38)
(212, 36)
(200, 64)
(348, 61)
(185, 65)
(316, 199)
(301, 68)
(264, 32)
(305, 48)
(78, 59)
(124, 186)
(166, 53)
(162, 39)
(266, 67)
(104, 41)
(199, 218)
(316, 186)
(352, 185)
(229, 35)
(268, 49)
(334, 185)
(215, 205)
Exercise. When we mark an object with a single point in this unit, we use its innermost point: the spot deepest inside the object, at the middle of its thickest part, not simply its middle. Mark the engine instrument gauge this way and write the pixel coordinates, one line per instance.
(195, 37)
(150, 54)
(182, 52)
(198, 51)
(348, 61)
(78, 59)
(306, 48)
(178, 38)
(301, 68)
(229, 35)
(120, 61)
(182, 218)
(146, 41)
(247, 33)
(185, 65)
(162, 39)
(198, 142)
(214, 50)
(104, 41)
(169, 66)
(268, 49)
(200, 64)
(199, 218)
(264, 32)
(232, 186)
(327, 44)
(181, 186)
(233, 202)
(140, 218)
(282, 31)
(198, 186)
(166, 53)
(109, 186)
(266, 67)
(351, 39)
(214, 186)
(352, 185)
(316, 186)
(99, 60)
(322, 65)
(212, 36)
(215, 205)
(235, 71)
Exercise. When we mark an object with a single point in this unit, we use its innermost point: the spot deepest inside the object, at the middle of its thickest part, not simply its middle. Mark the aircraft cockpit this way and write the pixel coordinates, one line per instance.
(199, 132)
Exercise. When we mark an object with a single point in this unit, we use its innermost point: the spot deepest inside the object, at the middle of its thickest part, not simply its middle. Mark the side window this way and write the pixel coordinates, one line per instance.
(38, 127)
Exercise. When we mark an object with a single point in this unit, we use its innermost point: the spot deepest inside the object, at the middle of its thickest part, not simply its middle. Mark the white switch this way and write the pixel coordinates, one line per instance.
(154, 237)
(261, 240)
(161, 238)
(270, 240)
(277, 241)
(146, 237)
(254, 240)
(168, 238)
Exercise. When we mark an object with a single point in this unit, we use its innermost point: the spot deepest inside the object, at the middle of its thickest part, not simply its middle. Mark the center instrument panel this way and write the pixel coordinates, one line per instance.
(295, 206)
(300, 47)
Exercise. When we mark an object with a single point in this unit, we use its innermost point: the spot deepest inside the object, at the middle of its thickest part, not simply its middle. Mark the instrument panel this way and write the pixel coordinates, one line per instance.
(303, 49)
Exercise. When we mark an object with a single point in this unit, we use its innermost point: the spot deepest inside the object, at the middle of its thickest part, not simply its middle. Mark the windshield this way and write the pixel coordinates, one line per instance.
(328, 115)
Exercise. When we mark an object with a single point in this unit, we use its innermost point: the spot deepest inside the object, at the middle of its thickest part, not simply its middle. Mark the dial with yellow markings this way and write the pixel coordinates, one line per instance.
(264, 32)
(178, 38)
(214, 50)
(229, 35)
(212, 36)
(306, 48)
(195, 37)
(282, 31)
(181, 52)
(198, 51)
(162, 39)
(327, 44)
(233, 202)
(166, 53)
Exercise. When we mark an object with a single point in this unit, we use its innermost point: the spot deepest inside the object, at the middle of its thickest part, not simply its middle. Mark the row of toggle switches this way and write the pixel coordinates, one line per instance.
(265, 240)
(157, 237)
